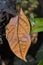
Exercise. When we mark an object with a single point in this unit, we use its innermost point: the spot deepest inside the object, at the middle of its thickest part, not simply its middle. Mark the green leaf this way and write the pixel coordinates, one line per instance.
(41, 62)
(36, 25)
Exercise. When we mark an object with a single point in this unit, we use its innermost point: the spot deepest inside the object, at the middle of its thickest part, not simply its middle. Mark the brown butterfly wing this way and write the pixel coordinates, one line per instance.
(17, 34)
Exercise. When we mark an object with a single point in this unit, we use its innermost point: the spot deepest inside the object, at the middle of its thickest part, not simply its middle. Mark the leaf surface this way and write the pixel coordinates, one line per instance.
(41, 62)
(18, 35)
(37, 25)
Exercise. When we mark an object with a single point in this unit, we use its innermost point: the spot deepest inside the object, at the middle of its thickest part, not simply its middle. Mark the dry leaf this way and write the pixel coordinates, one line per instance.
(18, 35)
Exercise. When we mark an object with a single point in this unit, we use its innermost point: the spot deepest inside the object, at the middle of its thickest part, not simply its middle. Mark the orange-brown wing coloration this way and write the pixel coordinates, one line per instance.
(18, 35)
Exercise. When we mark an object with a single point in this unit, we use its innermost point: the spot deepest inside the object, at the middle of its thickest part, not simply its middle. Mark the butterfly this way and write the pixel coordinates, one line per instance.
(18, 35)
